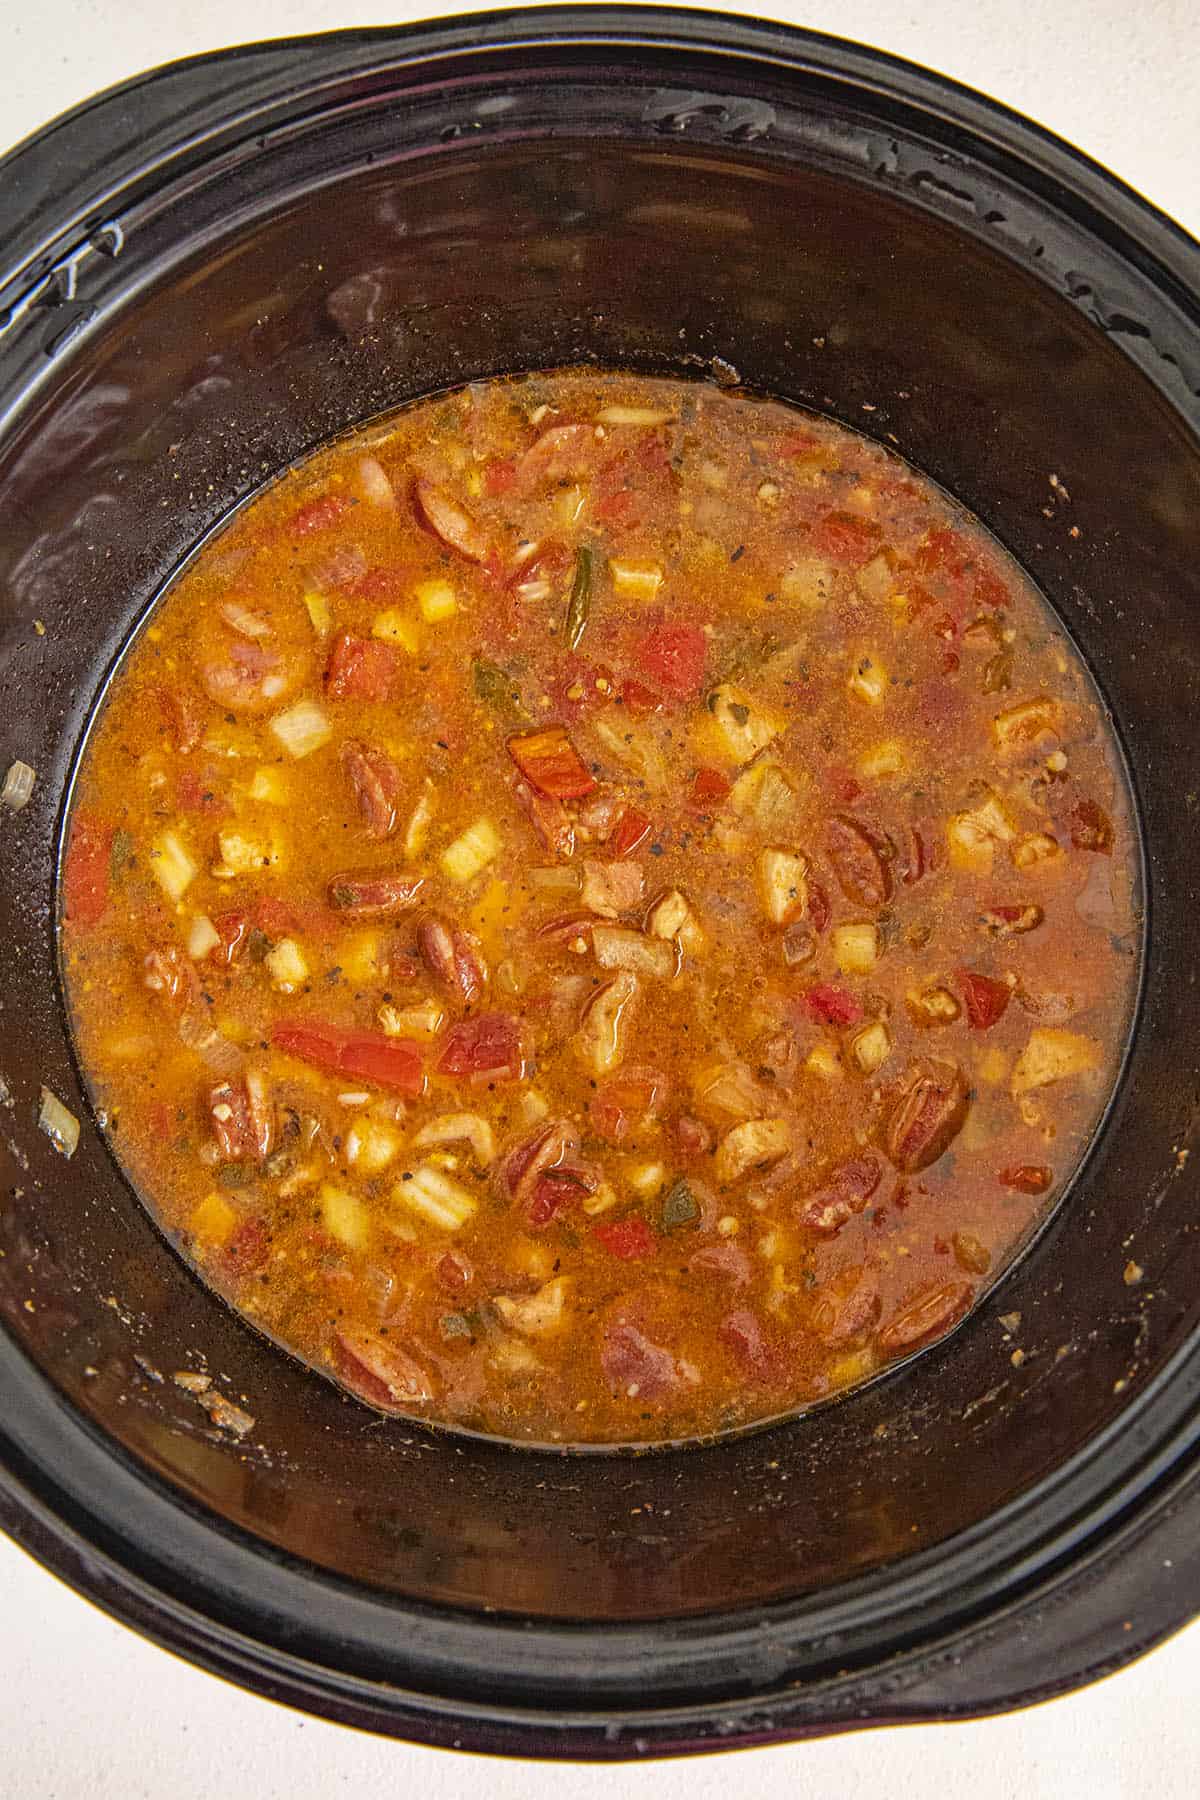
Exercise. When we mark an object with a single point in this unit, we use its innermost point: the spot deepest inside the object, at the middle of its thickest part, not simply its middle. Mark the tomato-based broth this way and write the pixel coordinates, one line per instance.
(600, 910)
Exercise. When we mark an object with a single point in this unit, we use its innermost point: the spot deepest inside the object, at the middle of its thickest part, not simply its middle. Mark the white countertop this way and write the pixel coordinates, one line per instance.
(92, 1710)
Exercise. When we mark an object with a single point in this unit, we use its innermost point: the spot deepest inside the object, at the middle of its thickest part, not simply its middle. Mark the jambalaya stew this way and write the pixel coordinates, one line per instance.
(600, 910)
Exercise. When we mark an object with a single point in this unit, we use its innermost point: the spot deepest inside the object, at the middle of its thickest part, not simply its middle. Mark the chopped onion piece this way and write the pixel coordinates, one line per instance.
(374, 483)
(319, 611)
(617, 947)
(240, 619)
(633, 415)
(18, 785)
(555, 880)
(202, 937)
(59, 1125)
(453, 1128)
(302, 729)
(217, 1052)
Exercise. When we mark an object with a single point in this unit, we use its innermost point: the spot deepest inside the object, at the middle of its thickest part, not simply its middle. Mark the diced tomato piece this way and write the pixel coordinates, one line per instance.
(799, 443)
(87, 870)
(360, 669)
(991, 590)
(627, 1239)
(1026, 1178)
(274, 917)
(550, 762)
(832, 1005)
(195, 794)
(1091, 828)
(639, 698)
(455, 1271)
(619, 508)
(488, 1044)
(232, 928)
(943, 551)
(248, 1248)
(953, 559)
(317, 515)
(499, 476)
(360, 1055)
(380, 582)
(984, 999)
(631, 828)
(672, 658)
(709, 788)
(624, 1101)
(845, 537)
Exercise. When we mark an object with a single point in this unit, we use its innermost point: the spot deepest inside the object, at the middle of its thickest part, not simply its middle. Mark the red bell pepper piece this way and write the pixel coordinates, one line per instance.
(632, 827)
(550, 762)
(359, 1055)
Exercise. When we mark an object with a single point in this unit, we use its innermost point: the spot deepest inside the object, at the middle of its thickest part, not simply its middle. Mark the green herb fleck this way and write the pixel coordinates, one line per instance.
(455, 1325)
(121, 854)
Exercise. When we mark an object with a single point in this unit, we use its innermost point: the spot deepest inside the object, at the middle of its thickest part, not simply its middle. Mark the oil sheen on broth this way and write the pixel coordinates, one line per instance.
(600, 910)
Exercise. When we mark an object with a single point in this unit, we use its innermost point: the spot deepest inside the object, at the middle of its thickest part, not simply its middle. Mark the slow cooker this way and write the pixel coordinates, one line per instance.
(211, 269)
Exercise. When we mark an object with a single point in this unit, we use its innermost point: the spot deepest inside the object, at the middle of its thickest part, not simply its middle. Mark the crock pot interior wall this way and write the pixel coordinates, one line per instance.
(350, 297)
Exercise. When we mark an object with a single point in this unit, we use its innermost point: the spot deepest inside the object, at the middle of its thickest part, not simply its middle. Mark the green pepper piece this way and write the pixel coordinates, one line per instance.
(496, 689)
(680, 1207)
(579, 606)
